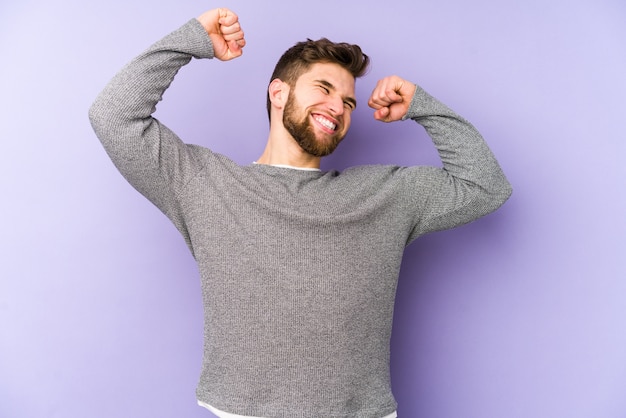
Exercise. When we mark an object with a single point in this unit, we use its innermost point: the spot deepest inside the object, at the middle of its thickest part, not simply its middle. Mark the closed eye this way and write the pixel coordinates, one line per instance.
(326, 87)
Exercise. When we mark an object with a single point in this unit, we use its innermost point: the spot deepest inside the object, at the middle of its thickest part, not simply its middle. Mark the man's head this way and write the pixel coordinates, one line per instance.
(299, 58)
(320, 76)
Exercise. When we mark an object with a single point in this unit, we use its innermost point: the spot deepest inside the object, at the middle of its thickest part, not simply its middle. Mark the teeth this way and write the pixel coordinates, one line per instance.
(325, 122)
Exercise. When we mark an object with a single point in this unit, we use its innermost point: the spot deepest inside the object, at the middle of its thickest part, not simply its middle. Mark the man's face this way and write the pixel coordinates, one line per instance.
(318, 108)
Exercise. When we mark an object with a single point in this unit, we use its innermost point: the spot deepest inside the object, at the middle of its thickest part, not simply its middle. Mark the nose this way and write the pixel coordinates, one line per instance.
(335, 104)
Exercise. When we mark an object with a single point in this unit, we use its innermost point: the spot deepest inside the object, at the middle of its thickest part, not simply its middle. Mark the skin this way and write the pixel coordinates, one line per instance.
(326, 91)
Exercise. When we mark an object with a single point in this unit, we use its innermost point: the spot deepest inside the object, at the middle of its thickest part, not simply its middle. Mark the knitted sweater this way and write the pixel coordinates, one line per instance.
(298, 268)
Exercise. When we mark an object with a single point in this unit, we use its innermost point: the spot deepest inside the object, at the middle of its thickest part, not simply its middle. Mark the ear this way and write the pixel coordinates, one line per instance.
(278, 92)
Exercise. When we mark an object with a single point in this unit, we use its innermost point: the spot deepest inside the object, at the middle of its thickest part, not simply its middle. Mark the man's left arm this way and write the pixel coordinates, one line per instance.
(471, 183)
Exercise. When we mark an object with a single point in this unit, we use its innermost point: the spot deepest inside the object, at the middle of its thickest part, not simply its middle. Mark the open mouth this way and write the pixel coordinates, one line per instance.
(326, 123)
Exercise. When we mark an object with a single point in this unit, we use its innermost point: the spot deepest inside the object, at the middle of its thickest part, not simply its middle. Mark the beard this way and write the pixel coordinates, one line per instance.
(303, 132)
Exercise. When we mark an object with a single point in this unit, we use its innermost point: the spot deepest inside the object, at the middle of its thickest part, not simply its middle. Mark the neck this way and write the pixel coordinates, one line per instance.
(282, 149)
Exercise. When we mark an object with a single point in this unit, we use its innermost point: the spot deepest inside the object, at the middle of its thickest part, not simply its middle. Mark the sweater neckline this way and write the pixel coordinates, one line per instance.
(291, 167)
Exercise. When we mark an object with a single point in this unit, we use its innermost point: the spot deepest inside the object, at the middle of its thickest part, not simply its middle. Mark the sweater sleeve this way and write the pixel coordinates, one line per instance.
(471, 183)
(150, 156)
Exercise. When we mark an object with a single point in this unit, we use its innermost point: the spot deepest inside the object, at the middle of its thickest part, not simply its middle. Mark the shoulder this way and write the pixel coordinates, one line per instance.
(211, 160)
(383, 173)
(416, 180)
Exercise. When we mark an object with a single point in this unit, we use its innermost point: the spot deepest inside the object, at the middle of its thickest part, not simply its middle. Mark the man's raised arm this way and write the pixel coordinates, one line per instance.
(471, 183)
(150, 156)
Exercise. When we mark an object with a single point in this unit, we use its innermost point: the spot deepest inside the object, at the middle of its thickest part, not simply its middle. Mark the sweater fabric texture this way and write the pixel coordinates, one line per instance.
(298, 268)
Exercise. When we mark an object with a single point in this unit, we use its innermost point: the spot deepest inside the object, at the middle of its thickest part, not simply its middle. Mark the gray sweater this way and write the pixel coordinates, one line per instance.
(298, 268)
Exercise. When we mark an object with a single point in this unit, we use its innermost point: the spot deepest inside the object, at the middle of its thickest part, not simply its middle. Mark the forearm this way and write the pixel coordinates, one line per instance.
(122, 111)
(462, 149)
(151, 157)
(471, 183)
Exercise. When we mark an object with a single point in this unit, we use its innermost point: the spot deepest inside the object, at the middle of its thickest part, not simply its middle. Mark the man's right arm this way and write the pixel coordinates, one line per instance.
(148, 154)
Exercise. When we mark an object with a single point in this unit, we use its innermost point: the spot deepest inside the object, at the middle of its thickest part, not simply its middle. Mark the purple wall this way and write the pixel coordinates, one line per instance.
(521, 314)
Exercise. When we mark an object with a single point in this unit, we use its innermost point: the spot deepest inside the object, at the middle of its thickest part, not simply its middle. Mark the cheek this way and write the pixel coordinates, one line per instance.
(347, 120)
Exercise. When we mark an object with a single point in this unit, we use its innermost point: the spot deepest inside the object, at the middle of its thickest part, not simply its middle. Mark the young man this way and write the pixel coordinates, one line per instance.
(298, 266)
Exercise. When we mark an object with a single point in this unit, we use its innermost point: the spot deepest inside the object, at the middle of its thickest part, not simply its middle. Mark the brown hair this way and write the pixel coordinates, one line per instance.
(299, 58)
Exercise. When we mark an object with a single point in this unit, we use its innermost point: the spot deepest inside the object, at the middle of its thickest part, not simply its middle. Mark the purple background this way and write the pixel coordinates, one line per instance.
(521, 314)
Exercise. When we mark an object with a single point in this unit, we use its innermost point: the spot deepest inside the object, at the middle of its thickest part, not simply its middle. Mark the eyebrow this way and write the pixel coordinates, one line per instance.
(330, 86)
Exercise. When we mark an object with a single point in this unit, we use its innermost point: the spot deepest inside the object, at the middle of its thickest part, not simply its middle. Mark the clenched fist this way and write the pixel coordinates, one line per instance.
(391, 98)
(223, 28)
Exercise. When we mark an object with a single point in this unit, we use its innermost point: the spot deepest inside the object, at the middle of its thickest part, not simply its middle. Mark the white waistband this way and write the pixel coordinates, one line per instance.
(222, 414)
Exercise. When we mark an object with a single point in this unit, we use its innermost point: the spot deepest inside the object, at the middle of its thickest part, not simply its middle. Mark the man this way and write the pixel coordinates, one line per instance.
(298, 266)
